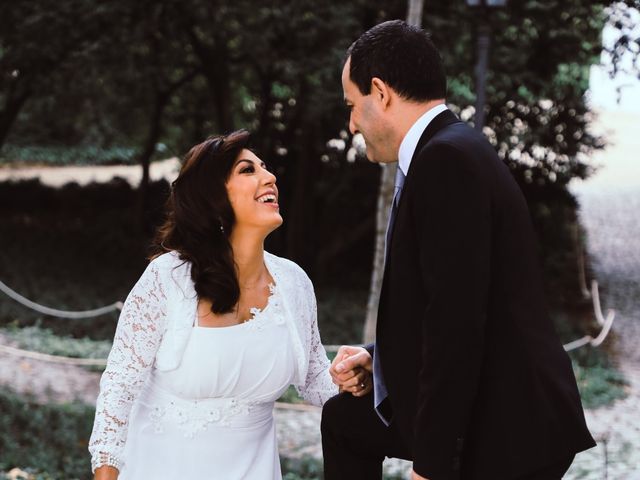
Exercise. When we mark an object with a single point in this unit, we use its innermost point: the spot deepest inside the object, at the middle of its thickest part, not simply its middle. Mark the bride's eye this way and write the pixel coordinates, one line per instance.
(247, 169)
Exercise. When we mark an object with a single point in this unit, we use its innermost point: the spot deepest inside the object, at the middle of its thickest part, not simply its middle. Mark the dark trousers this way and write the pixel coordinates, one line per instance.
(552, 472)
(355, 442)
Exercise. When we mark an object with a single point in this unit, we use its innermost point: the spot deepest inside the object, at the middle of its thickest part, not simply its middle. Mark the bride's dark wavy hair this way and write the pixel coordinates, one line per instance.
(199, 219)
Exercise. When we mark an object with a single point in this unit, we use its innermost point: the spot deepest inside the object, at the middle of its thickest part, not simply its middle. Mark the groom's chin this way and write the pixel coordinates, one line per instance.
(371, 157)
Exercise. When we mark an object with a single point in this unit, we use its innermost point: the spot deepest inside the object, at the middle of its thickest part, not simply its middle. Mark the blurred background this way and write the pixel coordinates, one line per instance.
(100, 99)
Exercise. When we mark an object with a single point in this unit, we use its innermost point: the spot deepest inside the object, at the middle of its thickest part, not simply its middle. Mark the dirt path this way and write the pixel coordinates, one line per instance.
(47, 382)
(83, 175)
(609, 211)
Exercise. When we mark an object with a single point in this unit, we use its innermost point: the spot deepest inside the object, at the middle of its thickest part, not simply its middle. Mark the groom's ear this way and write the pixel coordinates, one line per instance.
(381, 92)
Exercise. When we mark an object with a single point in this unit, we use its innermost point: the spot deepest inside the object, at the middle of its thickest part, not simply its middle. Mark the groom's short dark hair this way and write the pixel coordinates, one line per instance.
(402, 56)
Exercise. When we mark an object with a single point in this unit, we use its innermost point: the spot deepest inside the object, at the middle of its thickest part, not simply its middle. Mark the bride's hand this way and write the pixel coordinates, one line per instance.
(351, 370)
(360, 384)
(106, 473)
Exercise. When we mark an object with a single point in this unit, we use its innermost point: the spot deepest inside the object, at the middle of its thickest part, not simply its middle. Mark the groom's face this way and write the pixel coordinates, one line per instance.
(367, 117)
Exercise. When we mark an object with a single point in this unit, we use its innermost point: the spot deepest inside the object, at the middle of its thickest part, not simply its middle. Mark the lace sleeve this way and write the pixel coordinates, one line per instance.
(318, 386)
(136, 341)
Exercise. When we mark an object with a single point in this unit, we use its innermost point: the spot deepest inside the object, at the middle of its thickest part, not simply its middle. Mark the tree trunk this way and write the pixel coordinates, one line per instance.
(219, 79)
(155, 129)
(385, 196)
(414, 12)
(162, 99)
(214, 64)
(10, 112)
(483, 43)
(301, 206)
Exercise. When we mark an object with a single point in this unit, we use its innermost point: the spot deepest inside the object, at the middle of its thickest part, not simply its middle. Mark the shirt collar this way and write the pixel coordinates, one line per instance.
(411, 139)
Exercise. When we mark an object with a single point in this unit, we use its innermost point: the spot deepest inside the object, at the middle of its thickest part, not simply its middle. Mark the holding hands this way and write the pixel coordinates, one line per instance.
(352, 370)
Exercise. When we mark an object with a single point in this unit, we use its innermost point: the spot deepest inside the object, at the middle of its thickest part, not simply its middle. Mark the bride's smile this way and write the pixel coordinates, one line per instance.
(251, 184)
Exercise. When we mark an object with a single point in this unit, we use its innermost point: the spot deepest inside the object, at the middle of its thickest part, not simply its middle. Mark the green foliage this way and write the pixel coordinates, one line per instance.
(538, 74)
(74, 248)
(43, 340)
(600, 386)
(301, 469)
(340, 315)
(599, 382)
(66, 155)
(291, 396)
(145, 73)
(45, 438)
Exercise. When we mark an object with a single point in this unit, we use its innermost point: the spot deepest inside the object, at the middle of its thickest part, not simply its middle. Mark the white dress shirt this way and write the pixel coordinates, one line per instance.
(411, 139)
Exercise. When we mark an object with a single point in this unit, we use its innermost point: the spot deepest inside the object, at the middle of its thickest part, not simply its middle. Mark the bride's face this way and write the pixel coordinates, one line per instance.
(253, 193)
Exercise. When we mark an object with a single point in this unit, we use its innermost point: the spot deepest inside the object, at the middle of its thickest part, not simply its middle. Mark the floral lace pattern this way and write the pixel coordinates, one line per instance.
(136, 341)
(195, 416)
(143, 323)
(274, 308)
(318, 386)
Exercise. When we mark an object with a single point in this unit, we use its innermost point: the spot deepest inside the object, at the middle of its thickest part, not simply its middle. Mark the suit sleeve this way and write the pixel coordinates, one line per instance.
(452, 215)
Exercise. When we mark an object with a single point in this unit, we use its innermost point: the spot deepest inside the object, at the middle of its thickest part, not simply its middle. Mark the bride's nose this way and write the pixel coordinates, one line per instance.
(268, 177)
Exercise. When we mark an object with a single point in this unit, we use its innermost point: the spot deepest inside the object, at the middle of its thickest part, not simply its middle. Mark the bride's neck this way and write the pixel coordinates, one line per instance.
(248, 254)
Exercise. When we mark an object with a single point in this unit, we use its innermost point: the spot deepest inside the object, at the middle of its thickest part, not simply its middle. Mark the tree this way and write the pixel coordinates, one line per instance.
(385, 197)
(142, 75)
(69, 30)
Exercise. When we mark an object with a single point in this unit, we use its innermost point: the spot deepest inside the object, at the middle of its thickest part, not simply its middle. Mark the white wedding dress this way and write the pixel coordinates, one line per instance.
(216, 408)
(180, 401)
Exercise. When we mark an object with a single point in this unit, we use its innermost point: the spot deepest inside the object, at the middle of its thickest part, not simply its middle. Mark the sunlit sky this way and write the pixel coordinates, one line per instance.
(604, 92)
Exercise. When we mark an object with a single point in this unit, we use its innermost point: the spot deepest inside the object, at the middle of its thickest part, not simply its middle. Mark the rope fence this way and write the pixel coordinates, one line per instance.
(55, 312)
(605, 322)
(45, 357)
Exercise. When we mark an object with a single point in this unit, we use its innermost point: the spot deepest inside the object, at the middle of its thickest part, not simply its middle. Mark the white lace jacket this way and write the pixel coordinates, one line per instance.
(153, 330)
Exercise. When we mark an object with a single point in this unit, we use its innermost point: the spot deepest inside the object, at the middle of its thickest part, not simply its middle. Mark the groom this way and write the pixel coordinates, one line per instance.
(470, 378)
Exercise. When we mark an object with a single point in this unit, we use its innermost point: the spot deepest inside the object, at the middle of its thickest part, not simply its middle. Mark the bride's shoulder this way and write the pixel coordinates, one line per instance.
(170, 263)
(285, 267)
(165, 260)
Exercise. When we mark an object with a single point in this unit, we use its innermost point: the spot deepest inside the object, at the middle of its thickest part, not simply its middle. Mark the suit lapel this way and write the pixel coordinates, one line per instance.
(441, 121)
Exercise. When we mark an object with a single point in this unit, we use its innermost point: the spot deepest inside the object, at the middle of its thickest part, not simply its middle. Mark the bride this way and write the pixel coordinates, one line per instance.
(211, 335)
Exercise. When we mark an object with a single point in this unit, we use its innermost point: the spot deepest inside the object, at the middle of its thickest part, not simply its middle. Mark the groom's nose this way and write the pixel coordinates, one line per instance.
(352, 126)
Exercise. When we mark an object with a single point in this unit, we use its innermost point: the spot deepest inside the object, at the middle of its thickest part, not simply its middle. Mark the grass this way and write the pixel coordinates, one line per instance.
(43, 340)
(45, 438)
(599, 382)
(600, 386)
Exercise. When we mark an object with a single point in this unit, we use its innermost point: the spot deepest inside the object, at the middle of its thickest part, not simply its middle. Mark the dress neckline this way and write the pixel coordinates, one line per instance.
(256, 313)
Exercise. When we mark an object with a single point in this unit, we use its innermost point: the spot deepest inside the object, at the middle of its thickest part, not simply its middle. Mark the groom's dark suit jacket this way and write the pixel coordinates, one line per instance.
(478, 381)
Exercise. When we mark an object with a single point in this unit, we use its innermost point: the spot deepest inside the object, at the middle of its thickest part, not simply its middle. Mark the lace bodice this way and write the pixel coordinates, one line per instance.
(152, 332)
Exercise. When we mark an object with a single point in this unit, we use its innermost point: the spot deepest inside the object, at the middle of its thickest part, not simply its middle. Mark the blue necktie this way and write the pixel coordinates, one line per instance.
(397, 191)
(379, 388)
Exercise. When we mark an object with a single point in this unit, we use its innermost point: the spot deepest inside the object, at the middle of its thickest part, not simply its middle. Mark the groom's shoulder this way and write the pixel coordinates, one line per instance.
(459, 140)
(457, 134)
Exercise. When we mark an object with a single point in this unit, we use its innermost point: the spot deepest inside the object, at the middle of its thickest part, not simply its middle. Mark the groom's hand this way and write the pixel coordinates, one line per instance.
(351, 370)
(415, 476)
